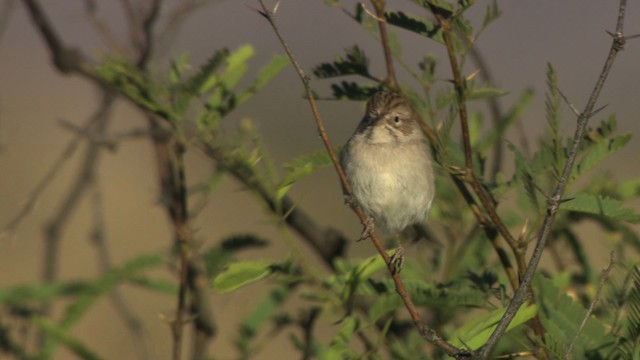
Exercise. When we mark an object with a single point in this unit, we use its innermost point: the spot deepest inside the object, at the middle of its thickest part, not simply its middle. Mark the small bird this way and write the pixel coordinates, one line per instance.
(388, 166)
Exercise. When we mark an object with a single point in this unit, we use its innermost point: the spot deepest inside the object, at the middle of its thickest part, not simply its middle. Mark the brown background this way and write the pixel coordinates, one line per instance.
(570, 34)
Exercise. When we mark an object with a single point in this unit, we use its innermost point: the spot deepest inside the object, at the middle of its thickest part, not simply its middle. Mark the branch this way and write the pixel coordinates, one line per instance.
(423, 329)
(603, 278)
(553, 205)
(66, 60)
(390, 81)
(54, 228)
(469, 176)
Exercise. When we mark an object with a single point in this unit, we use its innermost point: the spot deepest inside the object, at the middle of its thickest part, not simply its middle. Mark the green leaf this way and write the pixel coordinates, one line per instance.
(135, 85)
(353, 91)
(205, 79)
(477, 331)
(415, 24)
(485, 93)
(20, 294)
(236, 66)
(301, 167)
(158, 285)
(355, 63)
(263, 312)
(350, 325)
(242, 273)
(77, 309)
(61, 334)
(599, 152)
(602, 206)
(561, 316)
(491, 14)
(514, 114)
(629, 189)
(269, 71)
(265, 75)
(178, 67)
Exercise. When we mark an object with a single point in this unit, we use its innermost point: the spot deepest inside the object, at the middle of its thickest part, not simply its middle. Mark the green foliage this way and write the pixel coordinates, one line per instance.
(60, 334)
(240, 274)
(561, 317)
(476, 331)
(601, 206)
(301, 167)
(629, 346)
(213, 86)
(355, 63)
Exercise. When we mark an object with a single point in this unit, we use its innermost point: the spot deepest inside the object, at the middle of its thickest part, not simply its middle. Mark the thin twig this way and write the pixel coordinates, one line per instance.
(603, 278)
(423, 329)
(55, 226)
(553, 205)
(469, 176)
(390, 80)
(101, 28)
(99, 240)
(12, 227)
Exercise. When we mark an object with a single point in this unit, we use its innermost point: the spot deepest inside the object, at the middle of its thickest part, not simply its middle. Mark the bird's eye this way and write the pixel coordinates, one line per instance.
(396, 119)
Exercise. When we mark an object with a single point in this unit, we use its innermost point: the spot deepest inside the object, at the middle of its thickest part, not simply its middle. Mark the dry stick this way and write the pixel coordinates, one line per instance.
(522, 293)
(603, 278)
(423, 329)
(390, 81)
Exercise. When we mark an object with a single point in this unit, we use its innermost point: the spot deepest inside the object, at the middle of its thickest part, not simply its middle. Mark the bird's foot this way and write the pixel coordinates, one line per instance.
(368, 229)
(396, 262)
(350, 201)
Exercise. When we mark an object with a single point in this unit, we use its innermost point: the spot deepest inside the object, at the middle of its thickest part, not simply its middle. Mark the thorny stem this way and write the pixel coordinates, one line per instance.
(426, 332)
(469, 176)
(553, 205)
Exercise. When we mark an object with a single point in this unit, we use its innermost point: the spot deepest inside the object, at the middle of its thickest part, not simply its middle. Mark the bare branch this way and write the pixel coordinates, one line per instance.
(553, 206)
(603, 278)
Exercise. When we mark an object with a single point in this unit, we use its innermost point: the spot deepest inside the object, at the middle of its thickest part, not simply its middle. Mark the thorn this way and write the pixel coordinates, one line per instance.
(632, 36)
(472, 75)
(374, 16)
(566, 100)
(562, 201)
(598, 110)
(618, 40)
(524, 230)
(537, 187)
(258, 11)
(275, 7)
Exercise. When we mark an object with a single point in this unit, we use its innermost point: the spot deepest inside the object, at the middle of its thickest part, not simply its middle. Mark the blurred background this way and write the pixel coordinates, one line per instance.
(35, 98)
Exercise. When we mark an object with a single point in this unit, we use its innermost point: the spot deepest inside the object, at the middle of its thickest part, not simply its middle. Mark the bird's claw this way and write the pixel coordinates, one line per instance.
(368, 229)
(396, 262)
(350, 201)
